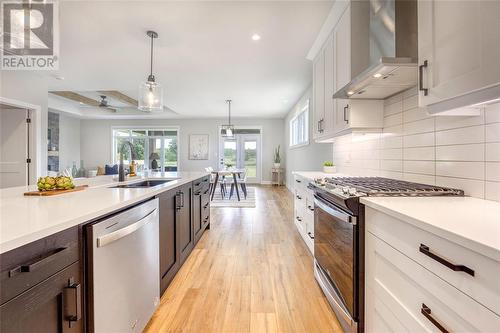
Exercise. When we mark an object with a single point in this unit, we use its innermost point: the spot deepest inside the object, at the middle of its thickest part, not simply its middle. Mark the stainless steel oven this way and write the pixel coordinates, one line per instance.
(339, 261)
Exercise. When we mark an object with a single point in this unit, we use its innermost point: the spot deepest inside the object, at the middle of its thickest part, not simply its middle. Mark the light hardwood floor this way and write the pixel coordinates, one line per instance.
(251, 272)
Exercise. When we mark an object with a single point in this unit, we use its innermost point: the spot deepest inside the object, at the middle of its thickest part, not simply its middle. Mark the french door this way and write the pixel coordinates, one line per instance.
(242, 151)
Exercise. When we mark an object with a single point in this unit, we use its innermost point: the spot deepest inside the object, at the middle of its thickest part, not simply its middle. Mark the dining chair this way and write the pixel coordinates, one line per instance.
(242, 181)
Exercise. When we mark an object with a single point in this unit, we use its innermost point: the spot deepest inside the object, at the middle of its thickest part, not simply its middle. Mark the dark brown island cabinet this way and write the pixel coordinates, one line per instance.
(41, 283)
(183, 219)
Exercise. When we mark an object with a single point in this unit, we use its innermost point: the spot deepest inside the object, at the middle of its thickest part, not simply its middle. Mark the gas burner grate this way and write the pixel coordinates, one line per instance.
(379, 186)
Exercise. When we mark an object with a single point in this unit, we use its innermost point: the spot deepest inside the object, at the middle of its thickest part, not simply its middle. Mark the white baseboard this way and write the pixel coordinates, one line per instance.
(265, 182)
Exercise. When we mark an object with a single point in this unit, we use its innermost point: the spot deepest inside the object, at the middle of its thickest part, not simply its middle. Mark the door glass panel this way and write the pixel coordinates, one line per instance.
(250, 158)
(229, 153)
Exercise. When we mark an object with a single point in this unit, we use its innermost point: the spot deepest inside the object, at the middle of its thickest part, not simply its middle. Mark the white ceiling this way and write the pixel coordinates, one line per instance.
(203, 56)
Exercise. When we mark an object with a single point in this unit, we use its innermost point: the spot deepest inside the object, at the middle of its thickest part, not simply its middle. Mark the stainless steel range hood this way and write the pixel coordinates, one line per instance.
(393, 52)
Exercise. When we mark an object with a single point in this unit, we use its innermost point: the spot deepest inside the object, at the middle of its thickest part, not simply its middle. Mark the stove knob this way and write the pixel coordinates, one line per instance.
(352, 191)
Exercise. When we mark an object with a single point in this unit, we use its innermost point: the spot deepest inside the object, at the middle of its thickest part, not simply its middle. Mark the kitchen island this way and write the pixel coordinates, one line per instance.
(48, 249)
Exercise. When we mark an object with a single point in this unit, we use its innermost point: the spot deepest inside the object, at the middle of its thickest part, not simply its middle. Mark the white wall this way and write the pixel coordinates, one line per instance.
(305, 158)
(461, 152)
(95, 139)
(69, 141)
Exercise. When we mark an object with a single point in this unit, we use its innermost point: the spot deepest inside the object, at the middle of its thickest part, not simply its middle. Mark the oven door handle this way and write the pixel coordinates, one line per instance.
(335, 212)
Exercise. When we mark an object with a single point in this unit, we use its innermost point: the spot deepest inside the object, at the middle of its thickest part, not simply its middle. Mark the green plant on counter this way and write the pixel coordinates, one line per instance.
(328, 164)
(277, 157)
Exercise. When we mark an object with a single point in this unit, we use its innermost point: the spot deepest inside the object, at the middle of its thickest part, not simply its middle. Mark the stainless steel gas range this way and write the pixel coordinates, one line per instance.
(339, 227)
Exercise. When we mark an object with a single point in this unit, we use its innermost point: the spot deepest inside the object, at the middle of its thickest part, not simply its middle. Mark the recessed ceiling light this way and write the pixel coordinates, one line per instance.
(377, 75)
(350, 93)
(255, 37)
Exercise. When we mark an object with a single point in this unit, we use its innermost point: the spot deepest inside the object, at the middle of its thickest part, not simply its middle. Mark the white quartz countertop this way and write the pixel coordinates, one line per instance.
(312, 175)
(26, 219)
(470, 222)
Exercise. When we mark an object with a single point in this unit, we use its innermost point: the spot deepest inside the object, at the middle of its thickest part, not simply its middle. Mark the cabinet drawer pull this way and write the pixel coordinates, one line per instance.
(298, 181)
(206, 205)
(73, 302)
(310, 235)
(298, 197)
(345, 113)
(197, 193)
(39, 262)
(299, 219)
(421, 78)
(206, 192)
(426, 311)
(457, 268)
(310, 208)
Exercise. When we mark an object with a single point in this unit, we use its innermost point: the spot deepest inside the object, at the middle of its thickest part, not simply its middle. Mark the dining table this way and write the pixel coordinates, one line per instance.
(235, 173)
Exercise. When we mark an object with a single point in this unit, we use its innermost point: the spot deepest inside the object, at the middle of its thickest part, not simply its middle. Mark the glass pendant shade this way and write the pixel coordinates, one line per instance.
(227, 131)
(150, 97)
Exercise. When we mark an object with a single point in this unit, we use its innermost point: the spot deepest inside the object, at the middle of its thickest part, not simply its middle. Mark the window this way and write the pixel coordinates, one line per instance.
(299, 127)
(156, 149)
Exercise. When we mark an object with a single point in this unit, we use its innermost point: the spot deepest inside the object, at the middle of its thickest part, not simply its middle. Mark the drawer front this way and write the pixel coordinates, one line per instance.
(24, 267)
(436, 254)
(199, 184)
(407, 290)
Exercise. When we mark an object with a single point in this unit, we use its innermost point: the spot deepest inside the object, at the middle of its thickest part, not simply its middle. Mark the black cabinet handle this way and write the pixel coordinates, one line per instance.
(206, 205)
(197, 184)
(426, 311)
(197, 193)
(299, 219)
(206, 192)
(178, 200)
(299, 197)
(345, 113)
(457, 268)
(310, 235)
(421, 78)
(298, 181)
(73, 302)
(36, 263)
(310, 208)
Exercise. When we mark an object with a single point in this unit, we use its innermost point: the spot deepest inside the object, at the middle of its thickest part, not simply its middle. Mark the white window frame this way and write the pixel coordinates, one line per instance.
(305, 127)
(142, 128)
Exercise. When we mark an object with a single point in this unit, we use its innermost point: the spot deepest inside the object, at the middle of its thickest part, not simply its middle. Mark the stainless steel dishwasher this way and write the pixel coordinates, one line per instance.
(124, 286)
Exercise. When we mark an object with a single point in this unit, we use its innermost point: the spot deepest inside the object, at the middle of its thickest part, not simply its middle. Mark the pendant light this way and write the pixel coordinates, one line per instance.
(227, 131)
(151, 92)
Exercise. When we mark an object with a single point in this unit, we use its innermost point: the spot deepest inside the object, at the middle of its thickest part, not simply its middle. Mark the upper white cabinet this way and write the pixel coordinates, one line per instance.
(459, 53)
(343, 55)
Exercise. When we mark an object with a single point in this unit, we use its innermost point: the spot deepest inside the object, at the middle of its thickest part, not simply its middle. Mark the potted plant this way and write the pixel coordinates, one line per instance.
(329, 167)
(277, 157)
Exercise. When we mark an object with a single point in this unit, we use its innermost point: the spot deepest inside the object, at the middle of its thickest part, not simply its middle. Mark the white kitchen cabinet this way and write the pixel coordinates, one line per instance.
(459, 52)
(304, 208)
(358, 115)
(407, 290)
(318, 93)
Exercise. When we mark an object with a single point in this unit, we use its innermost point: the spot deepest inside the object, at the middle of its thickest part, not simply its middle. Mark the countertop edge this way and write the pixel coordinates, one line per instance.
(471, 244)
(18, 242)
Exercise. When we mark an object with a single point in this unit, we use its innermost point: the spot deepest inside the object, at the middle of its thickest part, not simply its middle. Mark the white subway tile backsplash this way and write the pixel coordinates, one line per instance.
(492, 113)
(393, 120)
(493, 151)
(420, 167)
(420, 126)
(493, 132)
(492, 191)
(410, 103)
(391, 165)
(493, 171)
(469, 170)
(474, 152)
(473, 134)
(417, 178)
(471, 187)
(449, 122)
(460, 152)
(391, 154)
(420, 153)
(394, 108)
(419, 140)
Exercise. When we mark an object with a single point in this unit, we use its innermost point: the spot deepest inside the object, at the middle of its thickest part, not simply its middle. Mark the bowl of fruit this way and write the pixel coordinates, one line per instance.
(55, 183)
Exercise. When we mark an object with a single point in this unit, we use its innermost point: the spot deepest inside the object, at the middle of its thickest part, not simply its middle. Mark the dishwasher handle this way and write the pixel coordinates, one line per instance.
(120, 233)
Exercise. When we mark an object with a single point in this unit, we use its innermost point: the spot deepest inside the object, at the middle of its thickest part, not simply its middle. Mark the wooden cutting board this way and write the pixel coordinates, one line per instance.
(54, 192)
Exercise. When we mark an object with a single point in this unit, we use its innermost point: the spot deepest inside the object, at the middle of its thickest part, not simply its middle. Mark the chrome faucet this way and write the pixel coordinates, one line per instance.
(133, 156)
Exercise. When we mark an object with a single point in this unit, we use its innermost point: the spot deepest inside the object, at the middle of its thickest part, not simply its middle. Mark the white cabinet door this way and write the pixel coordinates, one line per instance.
(342, 67)
(318, 93)
(327, 126)
(460, 43)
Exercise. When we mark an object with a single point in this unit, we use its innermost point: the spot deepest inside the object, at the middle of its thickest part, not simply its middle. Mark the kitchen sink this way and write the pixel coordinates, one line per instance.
(143, 184)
